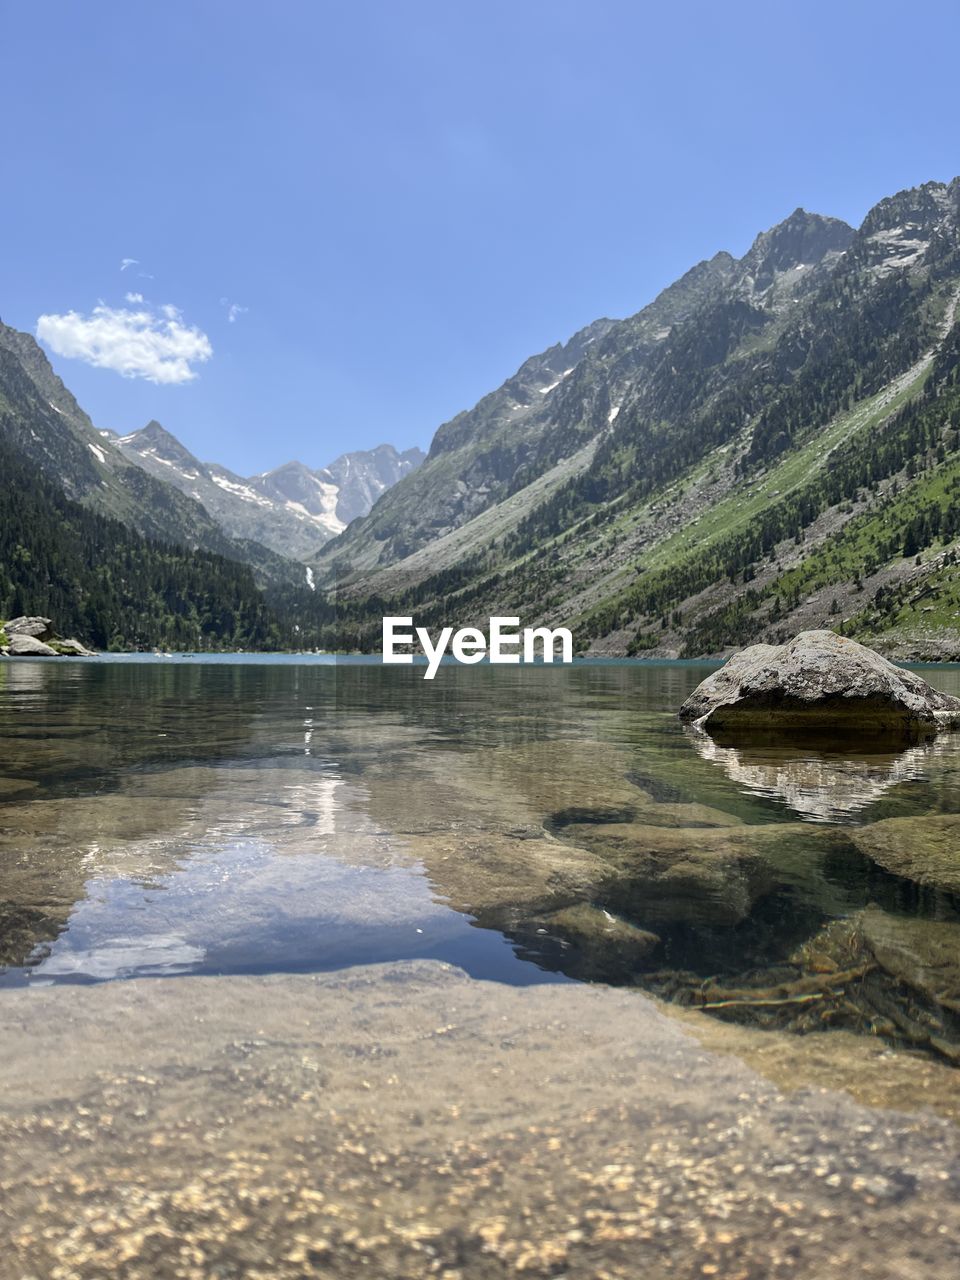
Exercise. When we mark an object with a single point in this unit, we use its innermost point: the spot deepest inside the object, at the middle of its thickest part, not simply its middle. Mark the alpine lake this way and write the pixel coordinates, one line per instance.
(310, 967)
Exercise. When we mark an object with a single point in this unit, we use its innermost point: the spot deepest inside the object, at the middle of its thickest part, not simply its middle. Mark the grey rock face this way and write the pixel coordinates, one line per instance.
(819, 682)
(363, 476)
(803, 239)
(39, 628)
(21, 646)
(27, 639)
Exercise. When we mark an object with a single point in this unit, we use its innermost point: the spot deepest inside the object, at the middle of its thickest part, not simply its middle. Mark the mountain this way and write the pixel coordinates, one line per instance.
(41, 420)
(362, 477)
(101, 580)
(546, 421)
(342, 491)
(122, 557)
(771, 444)
(292, 510)
(151, 482)
(115, 556)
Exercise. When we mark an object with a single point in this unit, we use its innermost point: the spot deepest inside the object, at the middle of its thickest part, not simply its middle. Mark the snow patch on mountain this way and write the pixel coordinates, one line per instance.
(566, 373)
(901, 247)
(240, 490)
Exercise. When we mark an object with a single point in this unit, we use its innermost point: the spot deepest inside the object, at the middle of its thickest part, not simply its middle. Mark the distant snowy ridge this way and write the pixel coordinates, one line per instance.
(292, 509)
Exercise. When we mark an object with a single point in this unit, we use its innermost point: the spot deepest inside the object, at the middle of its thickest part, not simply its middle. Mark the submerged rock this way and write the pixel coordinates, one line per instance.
(695, 874)
(925, 954)
(925, 850)
(594, 928)
(819, 683)
(906, 978)
(874, 973)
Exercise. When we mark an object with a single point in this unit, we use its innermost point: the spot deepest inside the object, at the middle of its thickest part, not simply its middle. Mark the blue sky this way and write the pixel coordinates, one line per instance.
(362, 217)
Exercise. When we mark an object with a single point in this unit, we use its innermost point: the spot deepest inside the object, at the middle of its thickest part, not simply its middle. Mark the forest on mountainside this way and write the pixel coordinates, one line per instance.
(114, 589)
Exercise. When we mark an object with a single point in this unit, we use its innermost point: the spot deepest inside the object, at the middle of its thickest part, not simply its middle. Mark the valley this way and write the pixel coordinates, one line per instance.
(771, 444)
(759, 468)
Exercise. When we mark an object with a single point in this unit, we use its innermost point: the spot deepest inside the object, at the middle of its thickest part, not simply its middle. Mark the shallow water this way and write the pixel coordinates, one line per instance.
(280, 815)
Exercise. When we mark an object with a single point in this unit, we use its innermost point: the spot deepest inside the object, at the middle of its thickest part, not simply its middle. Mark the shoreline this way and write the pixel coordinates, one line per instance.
(331, 657)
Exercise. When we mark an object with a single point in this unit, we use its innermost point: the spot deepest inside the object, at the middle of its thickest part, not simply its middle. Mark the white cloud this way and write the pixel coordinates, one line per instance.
(234, 310)
(129, 262)
(137, 344)
(133, 297)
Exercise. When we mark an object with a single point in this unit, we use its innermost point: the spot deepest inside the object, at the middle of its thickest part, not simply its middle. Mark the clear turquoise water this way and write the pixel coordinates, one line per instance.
(258, 813)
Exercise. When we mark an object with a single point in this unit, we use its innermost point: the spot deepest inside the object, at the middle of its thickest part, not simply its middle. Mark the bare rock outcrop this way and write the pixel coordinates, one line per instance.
(35, 637)
(37, 628)
(19, 646)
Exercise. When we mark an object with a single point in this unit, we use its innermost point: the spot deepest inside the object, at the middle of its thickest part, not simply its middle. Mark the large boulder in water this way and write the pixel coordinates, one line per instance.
(20, 646)
(819, 683)
(38, 628)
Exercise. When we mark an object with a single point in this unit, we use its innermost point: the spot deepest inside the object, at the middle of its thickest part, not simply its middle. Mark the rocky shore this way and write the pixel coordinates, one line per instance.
(36, 638)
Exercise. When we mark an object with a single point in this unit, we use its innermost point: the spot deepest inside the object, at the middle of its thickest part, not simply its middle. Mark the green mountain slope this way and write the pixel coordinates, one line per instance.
(117, 557)
(779, 458)
(101, 581)
(109, 586)
(40, 418)
(556, 405)
(577, 395)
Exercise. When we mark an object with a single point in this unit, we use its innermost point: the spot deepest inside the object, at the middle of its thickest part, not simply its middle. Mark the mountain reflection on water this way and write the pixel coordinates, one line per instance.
(527, 825)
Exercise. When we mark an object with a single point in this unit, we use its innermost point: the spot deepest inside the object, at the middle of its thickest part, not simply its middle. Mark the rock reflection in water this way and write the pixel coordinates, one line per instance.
(822, 784)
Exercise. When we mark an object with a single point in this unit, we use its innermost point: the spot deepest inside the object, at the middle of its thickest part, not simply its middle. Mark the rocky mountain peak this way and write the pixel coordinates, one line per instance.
(296, 486)
(157, 442)
(900, 232)
(921, 208)
(800, 241)
(293, 472)
(363, 476)
(382, 460)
